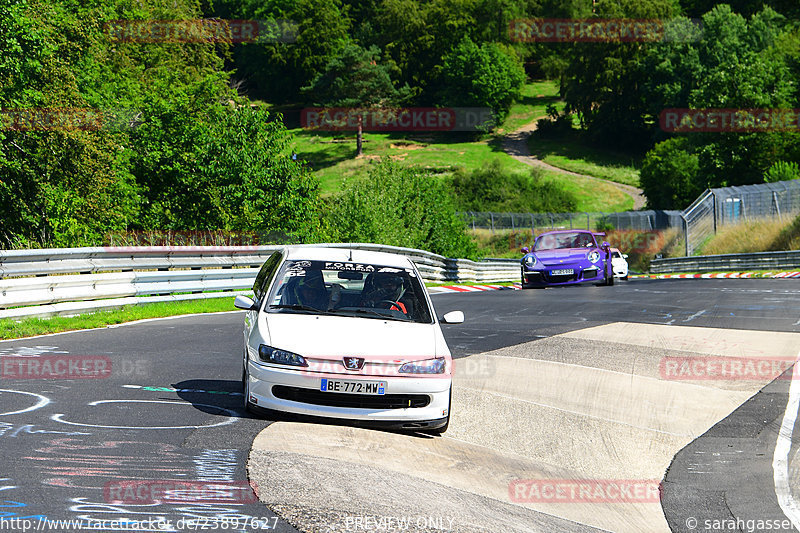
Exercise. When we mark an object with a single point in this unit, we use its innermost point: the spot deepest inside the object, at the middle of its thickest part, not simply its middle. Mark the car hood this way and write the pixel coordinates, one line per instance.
(569, 255)
(325, 337)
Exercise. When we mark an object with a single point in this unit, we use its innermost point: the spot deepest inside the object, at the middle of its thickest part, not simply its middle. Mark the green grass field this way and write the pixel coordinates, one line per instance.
(532, 104)
(331, 155)
(573, 154)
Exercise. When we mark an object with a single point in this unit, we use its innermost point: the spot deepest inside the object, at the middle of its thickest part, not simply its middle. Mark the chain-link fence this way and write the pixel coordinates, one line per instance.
(628, 220)
(730, 205)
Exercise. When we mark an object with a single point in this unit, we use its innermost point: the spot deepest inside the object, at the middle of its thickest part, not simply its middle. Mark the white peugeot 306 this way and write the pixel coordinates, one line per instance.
(346, 334)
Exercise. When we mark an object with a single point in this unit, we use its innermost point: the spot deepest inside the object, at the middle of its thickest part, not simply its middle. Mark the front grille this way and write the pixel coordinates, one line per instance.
(358, 401)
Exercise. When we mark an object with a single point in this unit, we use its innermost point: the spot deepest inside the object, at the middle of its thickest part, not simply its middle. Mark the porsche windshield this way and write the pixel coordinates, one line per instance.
(561, 241)
(349, 289)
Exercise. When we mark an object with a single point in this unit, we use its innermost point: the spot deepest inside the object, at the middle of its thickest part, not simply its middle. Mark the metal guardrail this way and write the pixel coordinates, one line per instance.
(74, 280)
(726, 262)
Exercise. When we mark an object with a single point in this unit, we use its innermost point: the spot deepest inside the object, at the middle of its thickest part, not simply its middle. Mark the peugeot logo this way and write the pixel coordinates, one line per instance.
(353, 363)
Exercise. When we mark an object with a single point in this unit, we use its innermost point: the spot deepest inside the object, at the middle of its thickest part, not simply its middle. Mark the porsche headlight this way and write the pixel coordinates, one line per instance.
(529, 261)
(593, 256)
(268, 354)
(429, 366)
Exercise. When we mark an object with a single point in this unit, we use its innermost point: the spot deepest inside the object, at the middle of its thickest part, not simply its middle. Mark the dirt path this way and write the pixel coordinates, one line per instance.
(515, 144)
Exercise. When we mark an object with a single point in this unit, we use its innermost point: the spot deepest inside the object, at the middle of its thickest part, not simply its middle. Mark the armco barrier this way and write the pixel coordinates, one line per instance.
(74, 280)
(741, 262)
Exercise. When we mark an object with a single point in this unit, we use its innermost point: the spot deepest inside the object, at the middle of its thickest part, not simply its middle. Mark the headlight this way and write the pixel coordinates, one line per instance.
(429, 366)
(268, 354)
(593, 256)
(529, 261)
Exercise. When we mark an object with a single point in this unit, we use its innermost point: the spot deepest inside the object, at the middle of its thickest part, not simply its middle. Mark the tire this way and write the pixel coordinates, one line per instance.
(610, 280)
(625, 277)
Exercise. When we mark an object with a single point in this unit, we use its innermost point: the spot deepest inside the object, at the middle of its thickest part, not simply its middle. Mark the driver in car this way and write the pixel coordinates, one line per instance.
(310, 291)
(385, 290)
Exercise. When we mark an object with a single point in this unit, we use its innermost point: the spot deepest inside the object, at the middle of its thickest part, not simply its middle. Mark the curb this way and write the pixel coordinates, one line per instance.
(472, 288)
(727, 275)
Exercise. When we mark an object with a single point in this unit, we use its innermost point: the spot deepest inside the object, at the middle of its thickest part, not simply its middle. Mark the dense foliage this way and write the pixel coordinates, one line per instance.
(493, 188)
(182, 146)
(400, 206)
(176, 147)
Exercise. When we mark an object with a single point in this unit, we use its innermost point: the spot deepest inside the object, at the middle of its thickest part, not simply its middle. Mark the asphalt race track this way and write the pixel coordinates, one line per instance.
(574, 409)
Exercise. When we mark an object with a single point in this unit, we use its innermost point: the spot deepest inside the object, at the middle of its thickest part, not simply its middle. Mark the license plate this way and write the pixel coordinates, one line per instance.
(562, 272)
(353, 387)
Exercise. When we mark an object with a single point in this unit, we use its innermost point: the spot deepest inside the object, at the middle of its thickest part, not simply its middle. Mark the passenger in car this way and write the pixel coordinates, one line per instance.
(310, 290)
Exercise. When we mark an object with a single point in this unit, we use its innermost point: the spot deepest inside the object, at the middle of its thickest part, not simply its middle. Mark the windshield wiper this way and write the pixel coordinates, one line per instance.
(372, 312)
(296, 307)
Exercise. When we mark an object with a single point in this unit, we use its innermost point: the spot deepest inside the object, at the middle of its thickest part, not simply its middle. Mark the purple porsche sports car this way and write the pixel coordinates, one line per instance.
(566, 257)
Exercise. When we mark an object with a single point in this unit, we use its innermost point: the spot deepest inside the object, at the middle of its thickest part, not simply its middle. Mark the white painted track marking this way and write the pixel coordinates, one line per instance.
(43, 400)
(230, 420)
(780, 460)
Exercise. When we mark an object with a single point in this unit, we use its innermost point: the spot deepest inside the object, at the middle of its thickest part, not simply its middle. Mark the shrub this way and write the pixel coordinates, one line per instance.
(398, 206)
(493, 188)
(782, 171)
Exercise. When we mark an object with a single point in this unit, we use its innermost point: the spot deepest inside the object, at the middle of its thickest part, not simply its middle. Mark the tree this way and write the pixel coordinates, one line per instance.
(357, 81)
(481, 76)
(276, 71)
(670, 175)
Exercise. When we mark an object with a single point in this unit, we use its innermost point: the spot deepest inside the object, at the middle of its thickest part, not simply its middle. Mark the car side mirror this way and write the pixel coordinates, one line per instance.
(624, 256)
(605, 246)
(525, 250)
(243, 302)
(453, 317)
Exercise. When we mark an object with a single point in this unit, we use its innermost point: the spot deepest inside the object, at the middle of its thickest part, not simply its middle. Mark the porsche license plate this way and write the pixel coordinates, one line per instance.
(562, 272)
(353, 387)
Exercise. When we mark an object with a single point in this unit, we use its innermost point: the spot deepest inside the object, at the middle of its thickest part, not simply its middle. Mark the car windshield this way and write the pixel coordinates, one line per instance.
(349, 289)
(559, 241)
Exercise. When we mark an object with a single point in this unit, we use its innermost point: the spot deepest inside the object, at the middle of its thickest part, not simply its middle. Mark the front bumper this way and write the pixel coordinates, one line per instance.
(298, 392)
(545, 278)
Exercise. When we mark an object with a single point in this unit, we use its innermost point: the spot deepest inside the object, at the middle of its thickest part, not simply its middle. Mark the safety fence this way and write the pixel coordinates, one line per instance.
(74, 280)
(627, 220)
(730, 205)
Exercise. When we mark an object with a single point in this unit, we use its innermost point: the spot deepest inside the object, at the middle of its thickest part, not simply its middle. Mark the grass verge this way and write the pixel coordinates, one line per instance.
(569, 152)
(29, 327)
(766, 235)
